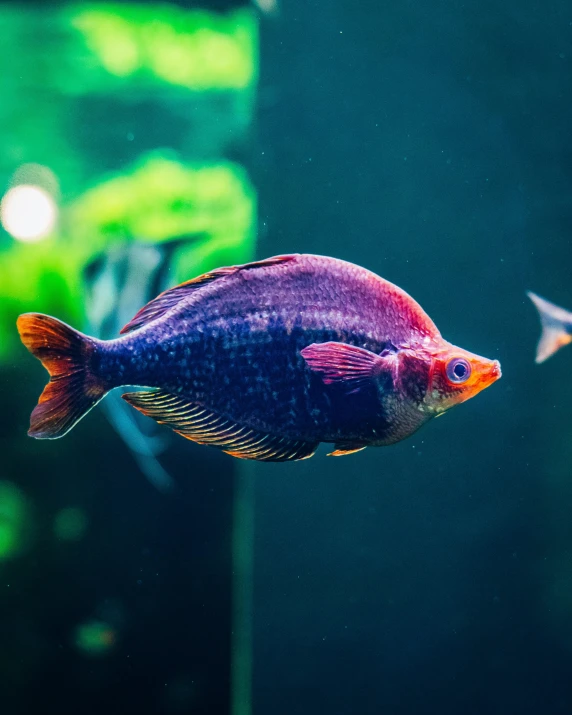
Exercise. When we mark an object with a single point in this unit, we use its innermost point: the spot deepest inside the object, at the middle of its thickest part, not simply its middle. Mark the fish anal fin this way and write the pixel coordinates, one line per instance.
(202, 425)
(556, 327)
(343, 448)
(343, 363)
(170, 298)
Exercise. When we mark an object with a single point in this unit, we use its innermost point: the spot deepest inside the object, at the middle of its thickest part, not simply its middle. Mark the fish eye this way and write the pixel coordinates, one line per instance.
(458, 370)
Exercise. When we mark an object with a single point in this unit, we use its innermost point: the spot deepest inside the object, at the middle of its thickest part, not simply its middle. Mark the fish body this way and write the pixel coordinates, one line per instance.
(269, 359)
(556, 324)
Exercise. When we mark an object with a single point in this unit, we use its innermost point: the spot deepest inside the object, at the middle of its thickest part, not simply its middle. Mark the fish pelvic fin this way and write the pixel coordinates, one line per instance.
(202, 425)
(556, 326)
(72, 390)
(172, 297)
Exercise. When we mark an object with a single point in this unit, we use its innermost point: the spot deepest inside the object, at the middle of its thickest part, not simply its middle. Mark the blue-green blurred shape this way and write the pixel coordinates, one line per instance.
(14, 520)
(70, 524)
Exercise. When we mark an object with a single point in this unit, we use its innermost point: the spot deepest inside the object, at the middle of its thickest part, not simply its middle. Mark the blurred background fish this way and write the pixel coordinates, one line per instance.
(267, 6)
(116, 283)
(556, 326)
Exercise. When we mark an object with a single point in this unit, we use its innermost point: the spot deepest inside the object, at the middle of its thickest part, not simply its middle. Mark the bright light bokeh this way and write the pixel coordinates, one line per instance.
(28, 213)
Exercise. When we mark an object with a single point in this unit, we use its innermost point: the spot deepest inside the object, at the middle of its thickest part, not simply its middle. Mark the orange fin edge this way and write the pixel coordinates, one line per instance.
(342, 449)
(72, 390)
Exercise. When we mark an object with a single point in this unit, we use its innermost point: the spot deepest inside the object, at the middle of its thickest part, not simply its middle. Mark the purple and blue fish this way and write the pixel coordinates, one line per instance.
(265, 361)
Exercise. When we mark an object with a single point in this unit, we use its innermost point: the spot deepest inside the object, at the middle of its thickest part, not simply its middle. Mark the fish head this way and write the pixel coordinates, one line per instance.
(456, 375)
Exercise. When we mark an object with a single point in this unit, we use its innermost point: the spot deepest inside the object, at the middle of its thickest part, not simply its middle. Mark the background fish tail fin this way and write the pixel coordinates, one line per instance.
(556, 326)
(72, 390)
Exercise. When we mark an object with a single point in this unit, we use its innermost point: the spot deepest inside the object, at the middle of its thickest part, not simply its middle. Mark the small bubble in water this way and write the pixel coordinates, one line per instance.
(130, 137)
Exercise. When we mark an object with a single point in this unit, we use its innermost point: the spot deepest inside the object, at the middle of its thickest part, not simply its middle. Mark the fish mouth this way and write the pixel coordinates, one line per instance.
(487, 376)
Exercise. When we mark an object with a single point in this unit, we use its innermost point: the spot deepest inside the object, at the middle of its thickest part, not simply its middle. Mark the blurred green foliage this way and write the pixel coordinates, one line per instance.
(159, 199)
(88, 65)
(14, 520)
(133, 108)
(80, 48)
(198, 50)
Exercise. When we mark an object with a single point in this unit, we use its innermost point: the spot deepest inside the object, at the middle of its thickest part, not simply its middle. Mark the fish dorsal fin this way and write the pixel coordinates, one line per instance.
(343, 448)
(347, 364)
(556, 326)
(170, 298)
(204, 426)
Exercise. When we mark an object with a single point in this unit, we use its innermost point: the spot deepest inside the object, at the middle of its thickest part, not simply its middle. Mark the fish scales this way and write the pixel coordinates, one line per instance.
(247, 362)
(301, 349)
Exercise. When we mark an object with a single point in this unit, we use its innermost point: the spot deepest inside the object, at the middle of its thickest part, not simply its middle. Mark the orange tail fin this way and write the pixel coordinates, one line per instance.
(72, 390)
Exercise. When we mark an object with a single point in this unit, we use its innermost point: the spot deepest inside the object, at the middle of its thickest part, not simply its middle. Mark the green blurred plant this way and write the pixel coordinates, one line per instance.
(157, 200)
(195, 70)
(14, 520)
(198, 50)
(81, 48)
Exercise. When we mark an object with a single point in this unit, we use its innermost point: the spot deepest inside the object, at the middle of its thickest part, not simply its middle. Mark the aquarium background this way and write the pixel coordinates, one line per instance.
(429, 142)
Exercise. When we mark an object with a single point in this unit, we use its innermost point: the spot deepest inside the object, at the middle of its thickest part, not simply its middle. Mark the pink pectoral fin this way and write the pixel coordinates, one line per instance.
(342, 363)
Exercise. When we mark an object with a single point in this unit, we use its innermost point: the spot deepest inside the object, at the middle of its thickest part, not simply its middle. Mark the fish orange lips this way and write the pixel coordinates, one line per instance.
(487, 372)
